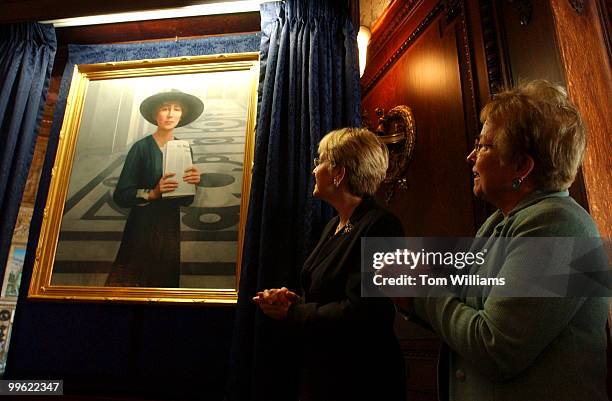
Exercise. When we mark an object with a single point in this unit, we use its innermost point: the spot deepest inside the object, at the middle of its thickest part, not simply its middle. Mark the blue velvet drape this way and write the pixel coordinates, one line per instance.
(27, 51)
(309, 85)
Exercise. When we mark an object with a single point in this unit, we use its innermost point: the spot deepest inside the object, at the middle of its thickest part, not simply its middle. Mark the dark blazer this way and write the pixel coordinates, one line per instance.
(349, 348)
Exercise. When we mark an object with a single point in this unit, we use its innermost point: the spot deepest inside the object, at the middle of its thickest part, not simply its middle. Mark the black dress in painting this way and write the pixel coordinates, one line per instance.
(149, 254)
(348, 346)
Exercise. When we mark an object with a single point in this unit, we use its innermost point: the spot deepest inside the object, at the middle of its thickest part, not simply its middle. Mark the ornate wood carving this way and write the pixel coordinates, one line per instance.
(386, 25)
(453, 8)
(491, 48)
(397, 130)
(400, 50)
(466, 65)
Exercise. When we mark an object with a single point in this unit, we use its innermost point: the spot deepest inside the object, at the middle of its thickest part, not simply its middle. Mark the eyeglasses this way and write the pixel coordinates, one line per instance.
(479, 146)
(318, 161)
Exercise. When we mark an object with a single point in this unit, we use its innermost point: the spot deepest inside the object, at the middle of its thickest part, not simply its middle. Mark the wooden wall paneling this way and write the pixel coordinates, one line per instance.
(604, 10)
(584, 42)
(176, 28)
(588, 72)
(492, 63)
(415, 62)
(490, 70)
(477, 78)
(421, 356)
(597, 60)
(477, 31)
(424, 57)
(608, 11)
(505, 52)
(395, 31)
(531, 48)
(423, 72)
(468, 84)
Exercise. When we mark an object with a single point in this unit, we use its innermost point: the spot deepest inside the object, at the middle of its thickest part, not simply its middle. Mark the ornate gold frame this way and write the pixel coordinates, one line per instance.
(40, 285)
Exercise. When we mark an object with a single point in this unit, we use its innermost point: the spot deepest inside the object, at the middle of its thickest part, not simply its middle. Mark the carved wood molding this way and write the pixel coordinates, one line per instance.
(491, 47)
(467, 70)
(367, 85)
(389, 22)
(453, 8)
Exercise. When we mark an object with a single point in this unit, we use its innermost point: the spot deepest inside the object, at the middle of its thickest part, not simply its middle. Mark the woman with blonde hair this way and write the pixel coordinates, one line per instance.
(347, 343)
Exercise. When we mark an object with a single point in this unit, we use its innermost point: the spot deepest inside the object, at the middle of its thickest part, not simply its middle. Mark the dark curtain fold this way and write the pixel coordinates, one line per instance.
(309, 85)
(27, 51)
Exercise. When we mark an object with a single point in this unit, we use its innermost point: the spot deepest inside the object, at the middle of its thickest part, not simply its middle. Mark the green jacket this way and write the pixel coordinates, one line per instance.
(525, 348)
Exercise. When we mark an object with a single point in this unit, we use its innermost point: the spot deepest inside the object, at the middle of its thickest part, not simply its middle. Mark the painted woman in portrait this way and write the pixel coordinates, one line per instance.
(149, 254)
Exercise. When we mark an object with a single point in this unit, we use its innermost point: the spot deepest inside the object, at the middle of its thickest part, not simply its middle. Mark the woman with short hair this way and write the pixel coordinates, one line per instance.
(513, 348)
(348, 346)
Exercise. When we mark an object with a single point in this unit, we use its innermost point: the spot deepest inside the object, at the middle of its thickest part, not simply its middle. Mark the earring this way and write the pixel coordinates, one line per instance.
(516, 183)
(336, 183)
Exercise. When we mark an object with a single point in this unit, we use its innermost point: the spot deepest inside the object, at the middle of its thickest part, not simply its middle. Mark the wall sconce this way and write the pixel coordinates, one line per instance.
(397, 130)
(363, 39)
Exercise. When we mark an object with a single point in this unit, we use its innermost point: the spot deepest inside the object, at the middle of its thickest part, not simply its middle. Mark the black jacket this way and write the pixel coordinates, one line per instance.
(349, 348)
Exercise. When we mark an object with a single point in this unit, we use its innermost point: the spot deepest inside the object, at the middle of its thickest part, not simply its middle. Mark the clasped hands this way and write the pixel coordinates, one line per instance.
(275, 302)
(167, 184)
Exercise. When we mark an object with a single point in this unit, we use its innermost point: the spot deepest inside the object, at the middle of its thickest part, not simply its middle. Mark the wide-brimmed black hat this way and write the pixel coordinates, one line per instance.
(192, 106)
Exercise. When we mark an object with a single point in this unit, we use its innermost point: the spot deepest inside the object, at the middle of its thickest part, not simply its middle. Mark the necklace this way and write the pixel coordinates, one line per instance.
(345, 229)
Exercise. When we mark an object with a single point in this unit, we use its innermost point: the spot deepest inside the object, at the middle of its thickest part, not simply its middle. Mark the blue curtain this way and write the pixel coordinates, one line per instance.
(309, 85)
(26, 59)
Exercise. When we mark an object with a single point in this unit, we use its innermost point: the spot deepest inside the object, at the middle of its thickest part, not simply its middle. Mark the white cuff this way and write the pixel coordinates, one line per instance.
(144, 195)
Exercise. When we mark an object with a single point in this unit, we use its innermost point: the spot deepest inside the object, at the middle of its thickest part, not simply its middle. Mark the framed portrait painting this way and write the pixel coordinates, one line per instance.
(112, 228)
